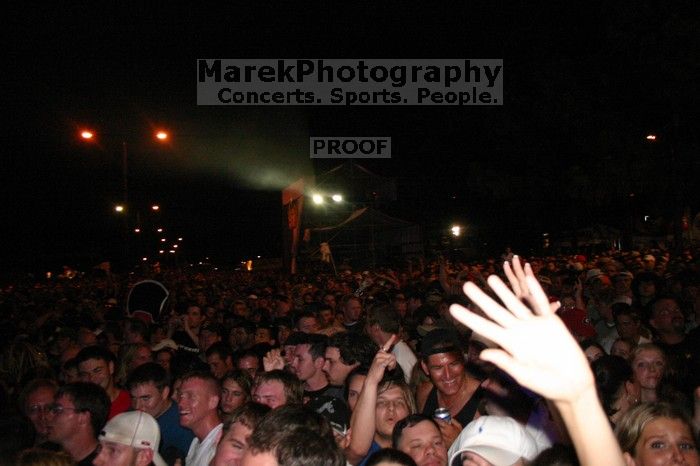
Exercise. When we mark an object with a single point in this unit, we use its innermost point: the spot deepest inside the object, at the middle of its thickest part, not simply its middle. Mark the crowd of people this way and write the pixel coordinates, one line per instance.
(565, 360)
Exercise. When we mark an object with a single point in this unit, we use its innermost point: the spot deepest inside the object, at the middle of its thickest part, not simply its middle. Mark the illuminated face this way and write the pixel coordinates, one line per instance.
(196, 401)
(262, 335)
(446, 371)
(648, 368)
(63, 419)
(97, 371)
(628, 327)
(115, 454)
(329, 300)
(303, 364)
(270, 394)
(336, 370)
(147, 398)
(232, 446)
(391, 407)
(354, 389)
(232, 396)
(250, 364)
(217, 366)
(194, 316)
(423, 442)
(352, 310)
(668, 317)
(308, 325)
(327, 317)
(664, 442)
(37, 408)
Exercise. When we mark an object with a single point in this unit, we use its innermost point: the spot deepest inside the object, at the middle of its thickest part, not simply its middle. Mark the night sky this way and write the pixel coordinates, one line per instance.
(583, 85)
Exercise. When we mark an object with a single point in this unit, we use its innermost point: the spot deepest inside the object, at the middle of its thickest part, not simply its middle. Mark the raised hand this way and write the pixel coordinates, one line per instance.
(273, 360)
(537, 349)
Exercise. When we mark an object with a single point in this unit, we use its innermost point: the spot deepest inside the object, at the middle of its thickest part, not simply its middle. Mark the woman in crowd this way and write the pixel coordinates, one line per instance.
(657, 434)
(648, 366)
(235, 391)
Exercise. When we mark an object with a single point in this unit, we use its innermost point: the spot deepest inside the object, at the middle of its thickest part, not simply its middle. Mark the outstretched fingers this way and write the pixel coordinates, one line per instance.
(540, 302)
(490, 307)
(478, 324)
(507, 363)
(511, 301)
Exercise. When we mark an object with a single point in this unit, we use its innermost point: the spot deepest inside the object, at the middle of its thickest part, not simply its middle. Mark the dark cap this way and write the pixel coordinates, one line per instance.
(441, 340)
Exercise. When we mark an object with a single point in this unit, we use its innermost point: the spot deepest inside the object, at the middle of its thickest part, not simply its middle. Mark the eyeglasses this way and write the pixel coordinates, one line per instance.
(57, 410)
(36, 409)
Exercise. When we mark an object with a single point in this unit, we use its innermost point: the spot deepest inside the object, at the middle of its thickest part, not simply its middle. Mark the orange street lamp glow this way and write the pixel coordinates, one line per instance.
(162, 135)
(159, 230)
(119, 208)
(137, 230)
(87, 135)
(651, 137)
(155, 207)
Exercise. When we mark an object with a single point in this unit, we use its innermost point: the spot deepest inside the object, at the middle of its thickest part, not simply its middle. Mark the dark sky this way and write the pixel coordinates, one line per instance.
(583, 84)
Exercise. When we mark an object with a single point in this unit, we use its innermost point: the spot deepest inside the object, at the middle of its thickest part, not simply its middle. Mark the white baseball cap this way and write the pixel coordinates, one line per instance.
(500, 440)
(135, 429)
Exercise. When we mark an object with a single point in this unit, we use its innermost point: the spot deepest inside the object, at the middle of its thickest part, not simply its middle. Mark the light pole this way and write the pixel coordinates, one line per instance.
(90, 136)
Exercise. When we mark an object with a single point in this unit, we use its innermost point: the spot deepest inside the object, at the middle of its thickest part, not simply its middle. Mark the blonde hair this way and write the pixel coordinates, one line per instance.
(42, 457)
(405, 389)
(631, 426)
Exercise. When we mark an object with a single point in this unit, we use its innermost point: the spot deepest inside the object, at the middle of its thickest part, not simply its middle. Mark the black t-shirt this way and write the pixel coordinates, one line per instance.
(328, 390)
(683, 363)
(87, 461)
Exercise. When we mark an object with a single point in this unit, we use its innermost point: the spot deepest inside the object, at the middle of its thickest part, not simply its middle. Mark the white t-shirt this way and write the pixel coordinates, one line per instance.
(201, 454)
(405, 358)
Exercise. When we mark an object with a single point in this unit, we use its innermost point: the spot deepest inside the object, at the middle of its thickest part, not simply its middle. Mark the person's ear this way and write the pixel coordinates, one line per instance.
(214, 401)
(629, 461)
(144, 457)
(166, 393)
(425, 368)
(110, 366)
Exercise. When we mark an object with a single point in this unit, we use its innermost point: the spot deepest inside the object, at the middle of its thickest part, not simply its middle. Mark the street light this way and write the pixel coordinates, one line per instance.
(155, 207)
(162, 135)
(119, 208)
(87, 135)
(337, 198)
(651, 137)
(456, 230)
(317, 199)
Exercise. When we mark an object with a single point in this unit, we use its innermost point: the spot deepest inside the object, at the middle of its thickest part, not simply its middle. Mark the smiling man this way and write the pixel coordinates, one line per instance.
(198, 402)
(149, 387)
(450, 386)
(96, 365)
